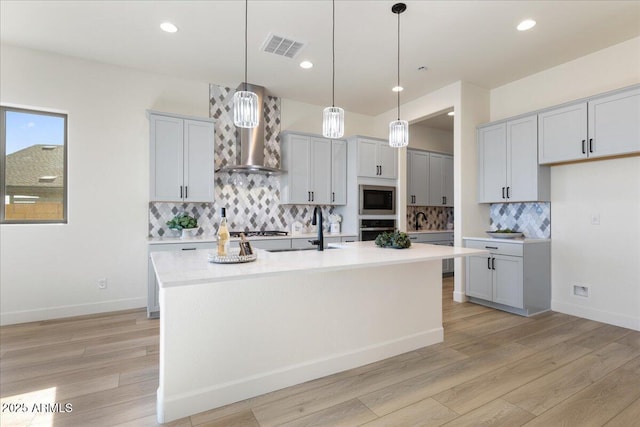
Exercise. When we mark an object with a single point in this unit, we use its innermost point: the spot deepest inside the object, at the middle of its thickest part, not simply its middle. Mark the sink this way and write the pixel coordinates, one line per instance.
(297, 250)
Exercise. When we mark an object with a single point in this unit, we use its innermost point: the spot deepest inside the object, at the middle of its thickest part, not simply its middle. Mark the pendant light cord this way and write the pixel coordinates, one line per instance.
(398, 66)
(246, 31)
(333, 56)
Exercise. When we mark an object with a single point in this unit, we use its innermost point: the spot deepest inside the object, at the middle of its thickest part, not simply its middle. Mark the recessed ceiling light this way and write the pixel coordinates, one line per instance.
(525, 25)
(168, 27)
(306, 65)
(397, 89)
(451, 113)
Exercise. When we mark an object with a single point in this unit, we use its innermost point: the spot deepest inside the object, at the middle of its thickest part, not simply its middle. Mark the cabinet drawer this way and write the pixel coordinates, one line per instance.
(501, 248)
(305, 244)
(430, 237)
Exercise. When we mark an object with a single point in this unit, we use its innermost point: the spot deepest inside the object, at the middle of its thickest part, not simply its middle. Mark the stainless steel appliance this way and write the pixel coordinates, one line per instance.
(370, 228)
(377, 200)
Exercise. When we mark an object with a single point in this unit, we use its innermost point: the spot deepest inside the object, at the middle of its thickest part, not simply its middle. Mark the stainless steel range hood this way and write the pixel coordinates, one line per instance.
(251, 142)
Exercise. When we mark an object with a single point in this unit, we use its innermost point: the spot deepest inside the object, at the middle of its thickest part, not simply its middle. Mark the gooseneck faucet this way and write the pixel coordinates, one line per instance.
(317, 213)
(417, 216)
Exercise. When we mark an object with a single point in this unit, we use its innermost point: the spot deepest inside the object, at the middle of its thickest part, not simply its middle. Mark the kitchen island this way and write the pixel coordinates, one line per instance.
(230, 332)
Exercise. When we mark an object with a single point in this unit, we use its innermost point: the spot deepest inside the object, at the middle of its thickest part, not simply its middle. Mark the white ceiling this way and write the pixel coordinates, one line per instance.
(473, 41)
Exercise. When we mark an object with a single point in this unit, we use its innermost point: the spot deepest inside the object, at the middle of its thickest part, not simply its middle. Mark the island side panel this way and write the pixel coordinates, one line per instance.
(228, 341)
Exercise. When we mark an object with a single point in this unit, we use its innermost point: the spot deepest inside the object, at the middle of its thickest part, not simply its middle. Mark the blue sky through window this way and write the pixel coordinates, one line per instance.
(26, 129)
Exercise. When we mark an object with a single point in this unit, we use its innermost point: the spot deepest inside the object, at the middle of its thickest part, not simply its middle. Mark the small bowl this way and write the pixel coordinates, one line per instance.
(510, 235)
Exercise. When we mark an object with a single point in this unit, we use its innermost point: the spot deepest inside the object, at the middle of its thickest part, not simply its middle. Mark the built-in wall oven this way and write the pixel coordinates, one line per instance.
(377, 200)
(370, 228)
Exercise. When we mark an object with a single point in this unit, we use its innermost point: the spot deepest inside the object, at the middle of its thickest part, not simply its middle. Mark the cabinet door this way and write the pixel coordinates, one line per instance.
(166, 162)
(198, 165)
(492, 163)
(522, 159)
(298, 155)
(320, 170)
(479, 283)
(338, 172)
(614, 124)
(562, 134)
(508, 281)
(418, 178)
(447, 180)
(388, 160)
(367, 158)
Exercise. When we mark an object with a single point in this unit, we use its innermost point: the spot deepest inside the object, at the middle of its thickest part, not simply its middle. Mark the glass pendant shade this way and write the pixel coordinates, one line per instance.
(333, 122)
(245, 109)
(399, 133)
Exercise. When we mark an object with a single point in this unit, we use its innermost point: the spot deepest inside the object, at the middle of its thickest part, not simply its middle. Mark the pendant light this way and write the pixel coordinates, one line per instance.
(333, 117)
(399, 129)
(245, 103)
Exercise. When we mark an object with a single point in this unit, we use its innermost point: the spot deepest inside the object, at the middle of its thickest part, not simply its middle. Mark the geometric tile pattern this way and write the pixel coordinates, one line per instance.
(252, 201)
(532, 219)
(437, 217)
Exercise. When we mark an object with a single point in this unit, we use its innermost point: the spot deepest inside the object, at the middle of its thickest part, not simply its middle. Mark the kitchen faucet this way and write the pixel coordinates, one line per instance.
(417, 215)
(317, 212)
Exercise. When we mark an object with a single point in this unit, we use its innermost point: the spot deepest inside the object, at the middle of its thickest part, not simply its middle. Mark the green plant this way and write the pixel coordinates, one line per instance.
(182, 220)
(393, 239)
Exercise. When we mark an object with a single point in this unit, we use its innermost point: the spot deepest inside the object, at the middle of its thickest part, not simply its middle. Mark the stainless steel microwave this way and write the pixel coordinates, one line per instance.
(377, 200)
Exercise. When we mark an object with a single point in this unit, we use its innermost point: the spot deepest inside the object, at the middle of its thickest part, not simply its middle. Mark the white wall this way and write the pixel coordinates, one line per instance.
(50, 271)
(471, 104)
(431, 139)
(606, 257)
(302, 117)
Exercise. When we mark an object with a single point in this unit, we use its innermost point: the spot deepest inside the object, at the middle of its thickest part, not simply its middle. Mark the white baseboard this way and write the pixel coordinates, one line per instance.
(459, 296)
(23, 316)
(175, 407)
(597, 315)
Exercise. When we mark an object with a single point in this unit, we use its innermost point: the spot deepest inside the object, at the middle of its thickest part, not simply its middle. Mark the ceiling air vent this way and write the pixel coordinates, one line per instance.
(281, 46)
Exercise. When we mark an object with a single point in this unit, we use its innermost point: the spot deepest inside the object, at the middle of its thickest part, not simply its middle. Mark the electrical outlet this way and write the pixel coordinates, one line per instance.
(102, 283)
(581, 290)
(595, 219)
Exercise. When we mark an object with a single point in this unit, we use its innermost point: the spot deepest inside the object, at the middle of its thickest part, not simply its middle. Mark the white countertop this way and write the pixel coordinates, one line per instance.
(180, 268)
(213, 238)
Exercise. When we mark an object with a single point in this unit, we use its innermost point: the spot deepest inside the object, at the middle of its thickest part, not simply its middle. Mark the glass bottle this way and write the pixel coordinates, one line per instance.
(223, 235)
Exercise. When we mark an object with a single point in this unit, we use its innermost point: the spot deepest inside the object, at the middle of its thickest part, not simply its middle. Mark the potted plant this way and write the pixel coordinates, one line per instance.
(184, 223)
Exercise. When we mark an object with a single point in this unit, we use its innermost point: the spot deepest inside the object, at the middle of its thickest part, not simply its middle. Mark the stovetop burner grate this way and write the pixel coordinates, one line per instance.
(259, 233)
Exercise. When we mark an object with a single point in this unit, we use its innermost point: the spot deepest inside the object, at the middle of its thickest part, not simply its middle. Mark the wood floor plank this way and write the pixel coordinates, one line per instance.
(391, 398)
(237, 419)
(550, 337)
(600, 337)
(496, 413)
(517, 332)
(425, 413)
(596, 404)
(481, 390)
(346, 414)
(300, 404)
(549, 390)
(632, 339)
(151, 421)
(628, 417)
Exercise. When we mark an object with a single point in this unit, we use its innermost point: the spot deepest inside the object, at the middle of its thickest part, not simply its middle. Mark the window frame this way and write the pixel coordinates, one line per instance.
(3, 157)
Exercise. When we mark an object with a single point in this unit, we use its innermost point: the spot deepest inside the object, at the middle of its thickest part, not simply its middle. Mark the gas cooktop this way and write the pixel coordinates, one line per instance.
(254, 233)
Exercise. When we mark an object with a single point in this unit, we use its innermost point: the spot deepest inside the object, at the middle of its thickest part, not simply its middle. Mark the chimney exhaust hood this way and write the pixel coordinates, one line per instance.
(252, 142)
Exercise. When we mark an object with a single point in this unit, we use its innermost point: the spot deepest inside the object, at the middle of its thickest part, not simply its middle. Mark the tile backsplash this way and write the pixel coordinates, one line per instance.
(252, 200)
(533, 219)
(437, 217)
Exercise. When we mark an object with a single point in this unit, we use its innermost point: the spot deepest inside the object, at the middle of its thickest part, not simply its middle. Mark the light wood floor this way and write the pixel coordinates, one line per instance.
(492, 369)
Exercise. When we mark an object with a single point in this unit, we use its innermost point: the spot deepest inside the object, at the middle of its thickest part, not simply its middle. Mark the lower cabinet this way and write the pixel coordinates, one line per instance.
(437, 238)
(514, 276)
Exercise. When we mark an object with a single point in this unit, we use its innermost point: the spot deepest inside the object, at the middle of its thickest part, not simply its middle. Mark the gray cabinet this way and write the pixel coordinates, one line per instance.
(376, 159)
(315, 170)
(513, 276)
(440, 180)
(508, 170)
(417, 178)
(602, 126)
(440, 239)
(181, 158)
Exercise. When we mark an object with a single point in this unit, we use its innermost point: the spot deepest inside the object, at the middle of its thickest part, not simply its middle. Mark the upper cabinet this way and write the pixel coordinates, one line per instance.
(440, 180)
(316, 170)
(508, 169)
(603, 126)
(376, 159)
(417, 178)
(181, 158)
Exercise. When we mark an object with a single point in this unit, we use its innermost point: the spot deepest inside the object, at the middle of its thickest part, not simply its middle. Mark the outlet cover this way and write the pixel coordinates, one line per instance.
(102, 283)
(581, 290)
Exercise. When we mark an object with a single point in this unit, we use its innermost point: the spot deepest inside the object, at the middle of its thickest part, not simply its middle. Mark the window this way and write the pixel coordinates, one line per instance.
(33, 166)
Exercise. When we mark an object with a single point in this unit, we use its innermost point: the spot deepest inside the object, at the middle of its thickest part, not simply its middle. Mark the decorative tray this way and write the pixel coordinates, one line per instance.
(231, 259)
(505, 235)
